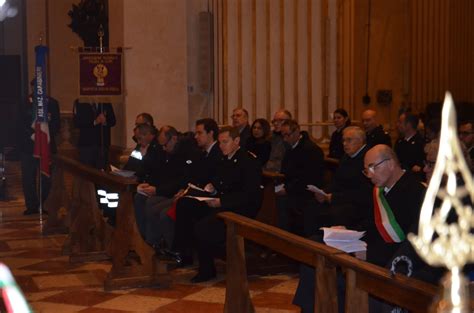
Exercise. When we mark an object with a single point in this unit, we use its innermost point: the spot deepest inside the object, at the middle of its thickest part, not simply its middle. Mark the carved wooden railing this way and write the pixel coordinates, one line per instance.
(91, 238)
(362, 278)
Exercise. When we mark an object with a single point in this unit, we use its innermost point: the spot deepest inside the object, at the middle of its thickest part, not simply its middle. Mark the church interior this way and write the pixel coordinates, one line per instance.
(183, 61)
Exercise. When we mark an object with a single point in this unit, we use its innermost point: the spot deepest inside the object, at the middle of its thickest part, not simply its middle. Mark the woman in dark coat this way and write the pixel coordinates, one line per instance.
(259, 140)
(341, 120)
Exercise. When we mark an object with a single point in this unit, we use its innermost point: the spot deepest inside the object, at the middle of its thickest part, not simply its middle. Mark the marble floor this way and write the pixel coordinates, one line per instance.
(52, 284)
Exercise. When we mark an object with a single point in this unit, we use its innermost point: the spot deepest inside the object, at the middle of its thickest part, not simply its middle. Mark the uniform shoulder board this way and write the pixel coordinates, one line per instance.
(252, 154)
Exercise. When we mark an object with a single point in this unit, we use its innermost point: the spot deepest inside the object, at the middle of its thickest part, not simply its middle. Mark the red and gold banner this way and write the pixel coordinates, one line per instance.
(100, 74)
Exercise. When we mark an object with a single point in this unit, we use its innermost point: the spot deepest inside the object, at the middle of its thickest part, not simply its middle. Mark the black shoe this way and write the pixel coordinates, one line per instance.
(202, 277)
(30, 212)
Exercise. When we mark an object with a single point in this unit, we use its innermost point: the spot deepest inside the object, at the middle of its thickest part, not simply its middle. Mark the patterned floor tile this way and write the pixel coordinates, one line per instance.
(45, 307)
(274, 300)
(288, 287)
(40, 253)
(181, 306)
(211, 294)
(81, 297)
(37, 296)
(176, 291)
(15, 262)
(138, 303)
(67, 280)
(99, 310)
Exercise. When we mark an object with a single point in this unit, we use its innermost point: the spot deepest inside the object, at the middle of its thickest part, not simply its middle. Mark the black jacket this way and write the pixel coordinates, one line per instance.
(351, 192)
(144, 167)
(378, 137)
(245, 135)
(260, 149)
(238, 183)
(172, 171)
(411, 152)
(84, 117)
(336, 149)
(302, 166)
(205, 168)
(54, 124)
(405, 200)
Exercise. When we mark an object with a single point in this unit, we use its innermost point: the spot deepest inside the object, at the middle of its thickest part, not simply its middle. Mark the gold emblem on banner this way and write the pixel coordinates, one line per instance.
(100, 72)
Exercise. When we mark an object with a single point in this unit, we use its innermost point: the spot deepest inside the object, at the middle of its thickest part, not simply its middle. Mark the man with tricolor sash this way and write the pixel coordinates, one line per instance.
(397, 199)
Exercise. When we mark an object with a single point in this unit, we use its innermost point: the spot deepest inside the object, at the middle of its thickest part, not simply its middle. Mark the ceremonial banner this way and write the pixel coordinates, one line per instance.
(100, 74)
(40, 112)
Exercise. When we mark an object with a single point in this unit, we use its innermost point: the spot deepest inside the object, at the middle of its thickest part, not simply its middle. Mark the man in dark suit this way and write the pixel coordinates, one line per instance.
(170, 173)
(235, 187)
(410, 147)
(159, 225)
(94, 121)
(29, 164)
(240, 120)
(302, 166)
(374, 131)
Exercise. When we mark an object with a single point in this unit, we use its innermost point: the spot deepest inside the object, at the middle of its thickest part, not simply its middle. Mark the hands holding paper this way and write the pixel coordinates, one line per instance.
(214, 203)
(280, 190)
(146, 189)
(210, 188)
(319, 194)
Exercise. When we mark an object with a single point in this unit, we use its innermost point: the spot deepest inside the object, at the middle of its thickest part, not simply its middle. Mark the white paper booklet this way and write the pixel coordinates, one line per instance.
(201, 198)
(315, 189)
(124, 173)
(140, 191)
(344, 239)
(280, 187)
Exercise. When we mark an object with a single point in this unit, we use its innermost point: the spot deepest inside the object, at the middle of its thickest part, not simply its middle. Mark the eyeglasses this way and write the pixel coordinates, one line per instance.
(278, 121)
(286, 135)
(371, 168)
(429, 164)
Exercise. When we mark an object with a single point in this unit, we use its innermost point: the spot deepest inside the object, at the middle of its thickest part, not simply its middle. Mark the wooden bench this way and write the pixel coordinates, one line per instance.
(91, 238)
(362, 278)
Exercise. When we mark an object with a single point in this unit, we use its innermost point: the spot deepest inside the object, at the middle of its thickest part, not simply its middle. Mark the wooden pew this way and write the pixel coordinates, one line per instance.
(362, 278)
(91, 238)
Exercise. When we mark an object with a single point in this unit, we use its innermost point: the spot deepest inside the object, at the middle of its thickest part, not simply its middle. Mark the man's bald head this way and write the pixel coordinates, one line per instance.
(353, 139)
(278, 119)
(381, 166)
(369, 120)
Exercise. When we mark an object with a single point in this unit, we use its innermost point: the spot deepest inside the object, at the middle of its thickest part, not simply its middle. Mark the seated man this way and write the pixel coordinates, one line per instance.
(396, 193)
(302, 166)
(235, 187)
(374, 131)
(410, 147)
(240, 120)
(159, 224)
(168, 174)
(349, 196)
(143, 118)
(278, 145)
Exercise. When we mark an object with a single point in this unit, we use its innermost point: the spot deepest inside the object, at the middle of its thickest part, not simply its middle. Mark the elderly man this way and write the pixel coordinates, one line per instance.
(374, 131)
(396, 193)
(278, 145)
(240, 120)
(349, 195)
(302, 166)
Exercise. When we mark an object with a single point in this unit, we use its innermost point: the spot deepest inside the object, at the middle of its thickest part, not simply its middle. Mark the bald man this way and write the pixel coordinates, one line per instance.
(278, 146)
(240, 120)
(374, 131)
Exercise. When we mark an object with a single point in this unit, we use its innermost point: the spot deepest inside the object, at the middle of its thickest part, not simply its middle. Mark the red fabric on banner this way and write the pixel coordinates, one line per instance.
(41, 149)
(172, 211)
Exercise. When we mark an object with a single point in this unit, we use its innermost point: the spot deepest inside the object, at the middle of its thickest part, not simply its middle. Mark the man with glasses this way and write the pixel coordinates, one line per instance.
(396, 193)
(278, 145)
(466, 135)
(302, 166)
(240, 120)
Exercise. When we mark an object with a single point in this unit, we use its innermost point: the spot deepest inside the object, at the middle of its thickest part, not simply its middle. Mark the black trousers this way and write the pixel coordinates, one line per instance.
(197, 226)
(29, 174)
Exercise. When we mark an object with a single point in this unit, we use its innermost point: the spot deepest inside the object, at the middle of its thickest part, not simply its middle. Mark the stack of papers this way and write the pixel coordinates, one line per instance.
(116, 171)
(344, 239)
(315, 189)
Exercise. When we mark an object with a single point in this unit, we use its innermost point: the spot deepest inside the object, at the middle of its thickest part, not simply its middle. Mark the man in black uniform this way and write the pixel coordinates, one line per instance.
(29, 164)
(302, 166)
(374, 131)
(94, 121)
(410, 147)
(236, 187)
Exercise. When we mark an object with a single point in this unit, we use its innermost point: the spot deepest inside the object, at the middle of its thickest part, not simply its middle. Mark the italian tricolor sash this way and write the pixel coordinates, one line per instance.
(385, 220)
